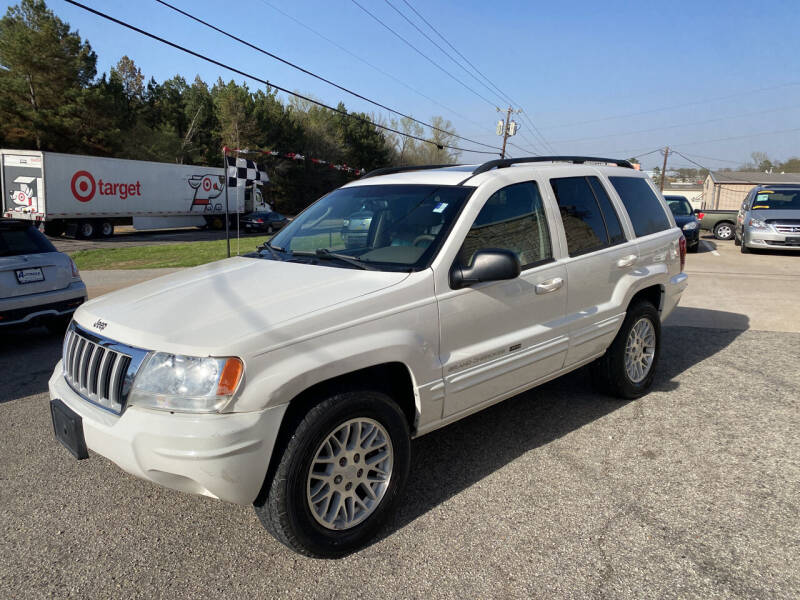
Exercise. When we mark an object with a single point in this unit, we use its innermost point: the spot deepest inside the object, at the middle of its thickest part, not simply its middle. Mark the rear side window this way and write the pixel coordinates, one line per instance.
(613, 224)
(643, 206)
(513, 218)
(584, 221)
(15, 241)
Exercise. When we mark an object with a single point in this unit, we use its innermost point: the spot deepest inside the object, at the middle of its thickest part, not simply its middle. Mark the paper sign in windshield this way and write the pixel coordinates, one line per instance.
(439, 208)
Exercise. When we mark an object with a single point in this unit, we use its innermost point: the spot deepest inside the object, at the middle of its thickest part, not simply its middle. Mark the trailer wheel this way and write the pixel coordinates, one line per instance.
(215, 223)
(106, 229)
(86, 230)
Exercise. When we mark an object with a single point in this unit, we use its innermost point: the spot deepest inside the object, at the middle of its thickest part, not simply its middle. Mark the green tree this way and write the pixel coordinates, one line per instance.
(130, 76)
(46, 69)
(234, 107)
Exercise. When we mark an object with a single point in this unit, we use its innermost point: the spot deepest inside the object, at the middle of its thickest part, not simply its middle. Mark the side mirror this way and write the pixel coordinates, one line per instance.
(490, 264)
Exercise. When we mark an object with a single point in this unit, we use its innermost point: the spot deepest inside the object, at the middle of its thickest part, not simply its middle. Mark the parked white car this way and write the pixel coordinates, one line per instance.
(38, 284)
(295, 378)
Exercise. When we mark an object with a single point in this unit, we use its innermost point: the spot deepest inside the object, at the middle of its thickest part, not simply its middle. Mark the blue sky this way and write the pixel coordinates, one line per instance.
(713, 79)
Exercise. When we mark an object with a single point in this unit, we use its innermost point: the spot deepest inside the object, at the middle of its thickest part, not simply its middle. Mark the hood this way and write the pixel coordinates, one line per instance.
(212, 307)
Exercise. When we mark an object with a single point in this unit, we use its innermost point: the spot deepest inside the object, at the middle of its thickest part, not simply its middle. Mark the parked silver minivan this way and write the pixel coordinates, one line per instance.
(769, 219)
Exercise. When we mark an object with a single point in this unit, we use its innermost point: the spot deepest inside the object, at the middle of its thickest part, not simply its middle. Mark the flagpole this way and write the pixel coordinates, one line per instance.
(227, 224)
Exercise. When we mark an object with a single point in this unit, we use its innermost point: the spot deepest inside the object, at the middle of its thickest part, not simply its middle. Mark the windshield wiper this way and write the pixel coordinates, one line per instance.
(272, 250)
(326, 254)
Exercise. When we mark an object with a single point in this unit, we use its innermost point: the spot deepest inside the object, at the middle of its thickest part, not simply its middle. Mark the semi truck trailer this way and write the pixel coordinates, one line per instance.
(87, 196)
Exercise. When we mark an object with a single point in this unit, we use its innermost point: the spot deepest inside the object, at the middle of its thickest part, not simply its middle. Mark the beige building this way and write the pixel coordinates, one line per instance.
(726, 190)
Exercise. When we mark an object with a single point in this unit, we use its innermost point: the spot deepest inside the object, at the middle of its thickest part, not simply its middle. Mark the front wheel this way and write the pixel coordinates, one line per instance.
(340, 474)
(628, 367)
(86, 230)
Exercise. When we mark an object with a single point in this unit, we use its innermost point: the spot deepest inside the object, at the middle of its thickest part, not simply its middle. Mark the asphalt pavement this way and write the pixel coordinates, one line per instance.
(690, 492)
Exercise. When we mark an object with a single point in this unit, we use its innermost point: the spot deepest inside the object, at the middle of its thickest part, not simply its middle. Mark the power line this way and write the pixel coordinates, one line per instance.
(679, 125)
(425, 56)
(502, 95)
(264, 81)
(372, 66)
(663, 108)
(442, 50)
(530, 152)
(733, 162)
(307, 72)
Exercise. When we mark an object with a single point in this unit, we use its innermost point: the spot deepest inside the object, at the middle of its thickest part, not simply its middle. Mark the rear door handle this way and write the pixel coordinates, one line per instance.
(551, 285)
(626, 261)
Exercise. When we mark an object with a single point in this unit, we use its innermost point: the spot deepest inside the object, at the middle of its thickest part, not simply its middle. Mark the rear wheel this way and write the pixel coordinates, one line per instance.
(86, 230)
(54, 229)
(340, 474)
(628, 367)
(723, 231)
(106, 229)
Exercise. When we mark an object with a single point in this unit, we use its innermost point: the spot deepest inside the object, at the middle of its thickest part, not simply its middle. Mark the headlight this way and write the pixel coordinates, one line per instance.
(690, 226)
(758, 224)
(186, 383)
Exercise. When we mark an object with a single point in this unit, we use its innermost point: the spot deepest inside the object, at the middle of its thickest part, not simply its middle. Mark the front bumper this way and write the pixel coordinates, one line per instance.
(223, 456)
(692, 236)
(768, 240)
(24, 309)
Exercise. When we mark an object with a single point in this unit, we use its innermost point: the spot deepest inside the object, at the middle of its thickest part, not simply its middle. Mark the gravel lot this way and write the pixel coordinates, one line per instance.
(692, 491)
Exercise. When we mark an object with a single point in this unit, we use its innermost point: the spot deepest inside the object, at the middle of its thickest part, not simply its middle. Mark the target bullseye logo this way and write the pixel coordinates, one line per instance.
(83, 186)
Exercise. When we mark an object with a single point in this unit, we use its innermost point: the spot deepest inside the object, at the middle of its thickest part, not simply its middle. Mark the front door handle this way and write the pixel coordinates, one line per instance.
(551, 285)
(626, 261)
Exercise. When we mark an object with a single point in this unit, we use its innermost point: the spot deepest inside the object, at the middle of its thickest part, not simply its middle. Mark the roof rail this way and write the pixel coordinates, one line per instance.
(391, 170)
(507, 162)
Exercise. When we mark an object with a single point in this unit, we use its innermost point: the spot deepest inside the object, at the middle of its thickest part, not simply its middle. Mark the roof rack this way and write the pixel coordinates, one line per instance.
(392, 170)
(578, 160)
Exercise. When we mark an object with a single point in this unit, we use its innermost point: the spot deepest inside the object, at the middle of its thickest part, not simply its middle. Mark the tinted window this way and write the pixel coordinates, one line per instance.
(613, 225)
(580, 213)
(16, 240)
(679, 206)
(643, 206)
(512, 218)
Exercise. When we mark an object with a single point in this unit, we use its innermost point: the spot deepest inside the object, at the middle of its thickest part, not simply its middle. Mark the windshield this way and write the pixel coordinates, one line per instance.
(679, 206)
(387, 227)
(777, 200)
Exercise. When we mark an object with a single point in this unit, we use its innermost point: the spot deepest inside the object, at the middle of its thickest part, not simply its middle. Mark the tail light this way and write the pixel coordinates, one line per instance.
(700, 216)
(682, 248)
(259, 220)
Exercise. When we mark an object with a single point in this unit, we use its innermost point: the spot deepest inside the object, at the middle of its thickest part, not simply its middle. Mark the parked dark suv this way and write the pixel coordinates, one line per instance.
(685, 219)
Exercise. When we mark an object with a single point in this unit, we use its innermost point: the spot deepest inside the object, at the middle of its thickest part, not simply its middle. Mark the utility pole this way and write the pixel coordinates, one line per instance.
(664, 169)
(507, 128)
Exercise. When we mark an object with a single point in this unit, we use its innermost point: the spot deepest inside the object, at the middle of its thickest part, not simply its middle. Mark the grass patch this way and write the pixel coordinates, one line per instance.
(157, 257)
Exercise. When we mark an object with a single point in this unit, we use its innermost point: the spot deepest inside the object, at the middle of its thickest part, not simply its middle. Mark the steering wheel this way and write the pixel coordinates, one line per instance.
(425, 237)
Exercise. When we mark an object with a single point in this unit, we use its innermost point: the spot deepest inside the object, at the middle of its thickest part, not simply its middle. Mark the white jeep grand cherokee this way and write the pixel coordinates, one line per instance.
(295, 378)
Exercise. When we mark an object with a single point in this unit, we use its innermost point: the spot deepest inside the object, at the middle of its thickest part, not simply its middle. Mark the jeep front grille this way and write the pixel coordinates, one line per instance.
(99, 369)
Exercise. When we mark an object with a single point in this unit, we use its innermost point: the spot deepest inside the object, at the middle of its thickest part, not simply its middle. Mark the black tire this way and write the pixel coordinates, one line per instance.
(58, 325)
(86, 230)
(54, 229)
(106, 229)
(743, 247)
(285, 511)
(609, 373)
(694, 248)
(723, 230)
(269, 230)
(736, 240)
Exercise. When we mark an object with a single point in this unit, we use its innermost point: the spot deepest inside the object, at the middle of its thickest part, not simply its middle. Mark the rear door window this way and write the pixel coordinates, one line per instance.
(644, 208)
(587, 227)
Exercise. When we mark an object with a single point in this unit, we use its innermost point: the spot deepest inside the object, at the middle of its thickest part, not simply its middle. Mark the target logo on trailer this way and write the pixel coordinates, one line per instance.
(84, 187)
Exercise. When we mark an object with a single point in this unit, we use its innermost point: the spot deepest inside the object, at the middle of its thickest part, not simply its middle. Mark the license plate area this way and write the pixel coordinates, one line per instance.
(29, 275)
(68, 429)
(793, 240)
